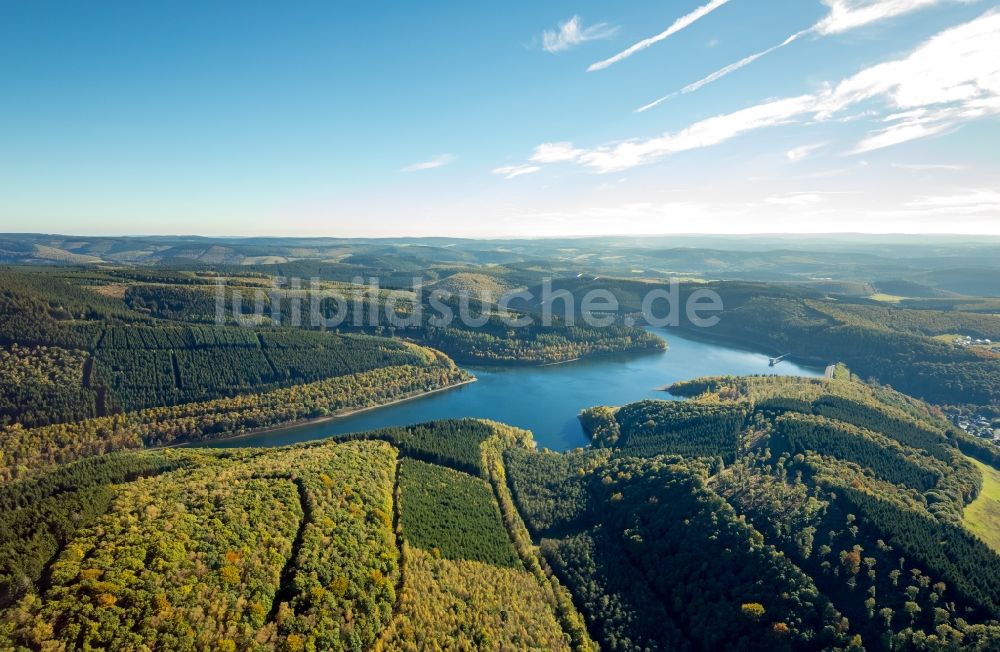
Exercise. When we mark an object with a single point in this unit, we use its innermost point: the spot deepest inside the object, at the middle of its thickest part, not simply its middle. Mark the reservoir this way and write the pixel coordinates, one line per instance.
(546, 400)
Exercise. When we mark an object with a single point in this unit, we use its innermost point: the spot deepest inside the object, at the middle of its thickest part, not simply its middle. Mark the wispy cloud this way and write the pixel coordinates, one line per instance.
(929, 167)
(629, 154)
(555, 153)
(964, 202)
(950, 79)
(798, 153)
(513, 171)
(679, 24)
(720, 73)
(844, 15)
(571, 33)
(902, 132)
(436, 162)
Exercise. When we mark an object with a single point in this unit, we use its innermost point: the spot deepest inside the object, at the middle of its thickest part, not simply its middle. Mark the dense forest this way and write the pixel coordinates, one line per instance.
(858, 488)
(27, 450)
(409, 537)
(72, 351)
(487, 337)
(913, 363)
(452, 515)
(744, 513)
(895, 348)
(148, 367)
(347, 544)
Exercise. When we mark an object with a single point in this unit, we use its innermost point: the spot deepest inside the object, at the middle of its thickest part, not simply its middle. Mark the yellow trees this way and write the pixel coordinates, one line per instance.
(37, 448)
(339, 589)
(286, 550)
(754, 610)
(449, 604)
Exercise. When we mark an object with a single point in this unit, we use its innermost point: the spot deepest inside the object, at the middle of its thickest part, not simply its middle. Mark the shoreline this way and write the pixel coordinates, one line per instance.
(750, 346)
(587, 357)
(340, 414)
(556, 364)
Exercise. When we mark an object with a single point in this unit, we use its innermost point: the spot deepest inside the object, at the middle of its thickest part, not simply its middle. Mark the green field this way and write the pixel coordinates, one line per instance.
(982, 516)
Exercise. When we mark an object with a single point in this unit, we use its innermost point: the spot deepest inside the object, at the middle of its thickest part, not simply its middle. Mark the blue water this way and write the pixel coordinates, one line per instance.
(546, 400)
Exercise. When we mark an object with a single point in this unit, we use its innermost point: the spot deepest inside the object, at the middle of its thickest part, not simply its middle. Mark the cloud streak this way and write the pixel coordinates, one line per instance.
(965, 203)
(798, 153)
(952, 78)
(722, 72)
(571, 34)
(514, 171)
(928, 167)
(436, 162)
(678, 25)
(844, 15)
(713, 131)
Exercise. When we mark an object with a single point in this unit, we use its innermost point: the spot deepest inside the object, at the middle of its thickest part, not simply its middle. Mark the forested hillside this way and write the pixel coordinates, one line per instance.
(745, 513)
(908, 346)
(83, 343)
(860, 488)
(483, 335)
(892, 346)
(27, 450)
(71, 349)
(826, 514)
(226, 552)
(347, 545)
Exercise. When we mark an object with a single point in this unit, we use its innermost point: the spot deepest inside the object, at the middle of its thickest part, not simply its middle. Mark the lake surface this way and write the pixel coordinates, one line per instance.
(546, 400)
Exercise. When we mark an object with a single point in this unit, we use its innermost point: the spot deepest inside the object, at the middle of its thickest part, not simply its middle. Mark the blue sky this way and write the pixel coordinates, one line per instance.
(500, 119)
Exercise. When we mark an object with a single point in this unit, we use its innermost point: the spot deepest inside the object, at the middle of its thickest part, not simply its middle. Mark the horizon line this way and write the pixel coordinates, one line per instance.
(761, 234)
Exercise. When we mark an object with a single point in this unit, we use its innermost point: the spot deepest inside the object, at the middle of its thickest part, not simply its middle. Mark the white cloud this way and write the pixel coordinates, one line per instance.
(436, 162)
(657, 102)
(898, 134)
(678, 25)
(628, 154)
(555, 153)
(801, 152)
(965, 203)
(844, 15)
(950, 79)
(512, 171)
(571, 33)
(928, 167)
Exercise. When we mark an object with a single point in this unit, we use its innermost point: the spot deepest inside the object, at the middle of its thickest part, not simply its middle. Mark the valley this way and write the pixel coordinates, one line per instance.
(183, 473)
